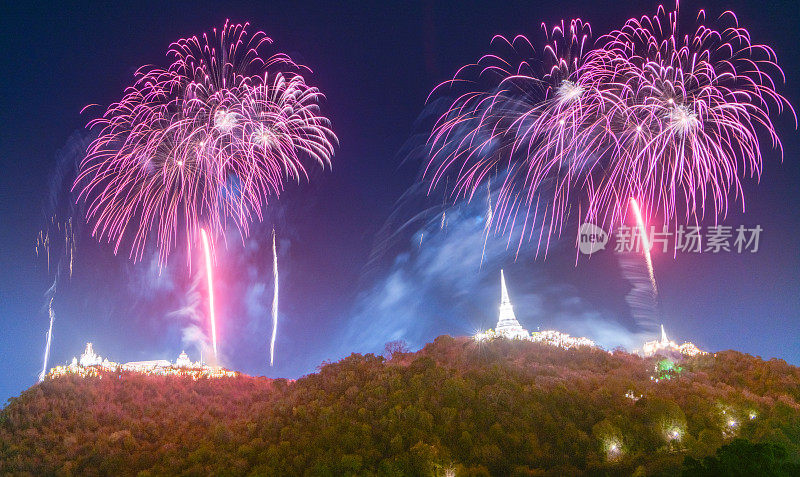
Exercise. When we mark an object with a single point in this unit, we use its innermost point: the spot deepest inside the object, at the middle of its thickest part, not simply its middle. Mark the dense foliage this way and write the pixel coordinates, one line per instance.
(741, 458)
(499, 408)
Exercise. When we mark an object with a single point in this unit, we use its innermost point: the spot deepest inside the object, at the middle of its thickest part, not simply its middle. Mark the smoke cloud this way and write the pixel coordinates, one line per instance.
(436, 283)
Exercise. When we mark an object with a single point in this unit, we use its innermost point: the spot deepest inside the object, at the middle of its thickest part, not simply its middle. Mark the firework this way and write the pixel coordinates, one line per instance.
(681, 112)
(204, 141)
(645, 241)
(488, 225)
(274, 300)
(211, 313)
(656, 111)
(520, 121)
(49, 340)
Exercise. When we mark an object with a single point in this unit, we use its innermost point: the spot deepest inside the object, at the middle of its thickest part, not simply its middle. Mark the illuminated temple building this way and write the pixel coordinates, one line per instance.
(665, 346)
(509, 328)
(91, 364)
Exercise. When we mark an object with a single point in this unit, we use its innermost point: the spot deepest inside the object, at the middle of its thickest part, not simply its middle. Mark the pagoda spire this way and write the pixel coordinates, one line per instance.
(663, 334)
(507, 324)
(504, 300)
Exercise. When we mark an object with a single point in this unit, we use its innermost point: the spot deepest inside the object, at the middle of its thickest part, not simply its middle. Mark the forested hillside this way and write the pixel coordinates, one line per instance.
(456, 407)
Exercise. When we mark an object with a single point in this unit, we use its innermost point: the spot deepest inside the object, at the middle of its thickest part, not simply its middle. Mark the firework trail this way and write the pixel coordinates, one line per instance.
(645, 240)
(49, 337)
(274, 300)
(205, 141)
(682, 116)
(69, 244)
(668, 114)
(517, 124)
(488, 226)
(211, 313)
(60, 202)
(43, 245)
(641, 298)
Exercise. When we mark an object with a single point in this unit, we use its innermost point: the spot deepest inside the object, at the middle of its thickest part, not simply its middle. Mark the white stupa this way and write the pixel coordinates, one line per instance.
(507, 324)
(183, 361)
(89, 358)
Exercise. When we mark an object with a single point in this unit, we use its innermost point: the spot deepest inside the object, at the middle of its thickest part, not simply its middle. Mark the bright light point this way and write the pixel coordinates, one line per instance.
(568, 91)
(682, 119)
(670, 101)
(265, 137)
(224, 120)
(639, 128)
(732, 423)
(561, 122)
(180, 163)
(752, 415)
(613, 449)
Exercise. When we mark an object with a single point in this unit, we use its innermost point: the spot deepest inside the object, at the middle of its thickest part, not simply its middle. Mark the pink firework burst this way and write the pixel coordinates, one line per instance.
(653, 111)
(520, 120)
(202, 143)
(681, 117)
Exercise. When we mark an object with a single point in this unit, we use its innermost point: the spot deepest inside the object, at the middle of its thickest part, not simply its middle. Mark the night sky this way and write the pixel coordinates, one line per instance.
(351, 277)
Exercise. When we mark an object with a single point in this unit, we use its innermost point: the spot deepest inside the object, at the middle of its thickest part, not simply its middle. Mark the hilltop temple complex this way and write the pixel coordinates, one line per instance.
(666, 346)
(91, 364)
(509, 328)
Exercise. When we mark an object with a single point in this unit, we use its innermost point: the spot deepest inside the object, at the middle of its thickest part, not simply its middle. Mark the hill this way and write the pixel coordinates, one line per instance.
(496, 408)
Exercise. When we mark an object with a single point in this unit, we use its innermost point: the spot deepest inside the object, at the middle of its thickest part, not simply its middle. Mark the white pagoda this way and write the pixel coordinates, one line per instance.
(508, 327)
(507, 324)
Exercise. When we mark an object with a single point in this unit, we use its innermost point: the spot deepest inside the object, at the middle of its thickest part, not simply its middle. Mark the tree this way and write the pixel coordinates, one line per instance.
(743, 458)
(394, 348)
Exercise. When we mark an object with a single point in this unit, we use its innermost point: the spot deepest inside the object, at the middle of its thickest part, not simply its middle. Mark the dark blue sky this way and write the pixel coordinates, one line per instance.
(376, 64)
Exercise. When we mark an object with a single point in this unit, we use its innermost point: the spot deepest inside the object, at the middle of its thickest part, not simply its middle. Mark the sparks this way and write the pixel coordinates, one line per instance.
(669, 112)
(207, 251)
(206, 141)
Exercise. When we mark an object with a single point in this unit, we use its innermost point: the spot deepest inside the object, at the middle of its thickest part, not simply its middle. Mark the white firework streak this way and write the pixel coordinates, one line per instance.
(49, 339)
(645, 244)
(274, 300)
(209, 275)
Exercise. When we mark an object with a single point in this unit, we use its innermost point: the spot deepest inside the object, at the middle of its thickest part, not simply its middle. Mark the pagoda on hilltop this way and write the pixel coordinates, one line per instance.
(667, 346)
(509, 328)
(507, 324)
